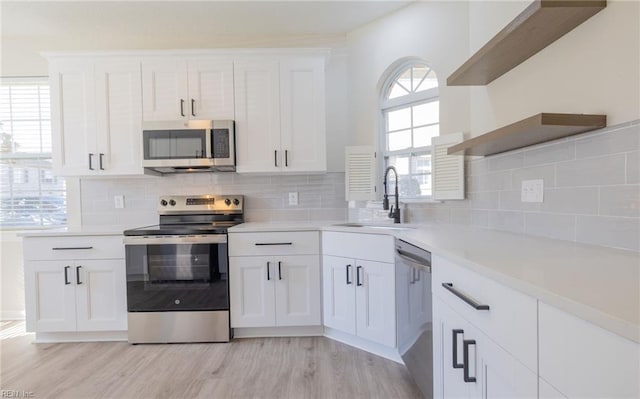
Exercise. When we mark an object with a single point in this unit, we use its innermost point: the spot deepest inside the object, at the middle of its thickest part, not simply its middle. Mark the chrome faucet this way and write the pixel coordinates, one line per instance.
(393, 213)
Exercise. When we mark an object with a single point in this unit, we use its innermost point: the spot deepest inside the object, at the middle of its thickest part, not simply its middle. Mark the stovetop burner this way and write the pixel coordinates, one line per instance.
(194, 215)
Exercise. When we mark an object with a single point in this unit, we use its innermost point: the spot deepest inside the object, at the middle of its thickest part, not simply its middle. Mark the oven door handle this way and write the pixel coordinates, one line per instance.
(160, 240)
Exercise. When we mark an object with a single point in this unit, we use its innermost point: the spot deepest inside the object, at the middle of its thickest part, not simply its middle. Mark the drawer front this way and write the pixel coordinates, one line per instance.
(73, 247)
(274, 243)
(376, 247)
(511, 320)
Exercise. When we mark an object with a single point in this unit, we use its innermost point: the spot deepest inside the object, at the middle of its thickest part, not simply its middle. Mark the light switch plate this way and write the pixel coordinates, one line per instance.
(118, 201)
(532, 190)
(293, 198)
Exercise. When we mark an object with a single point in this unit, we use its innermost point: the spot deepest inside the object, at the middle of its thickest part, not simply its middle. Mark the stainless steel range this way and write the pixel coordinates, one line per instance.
(177, 271)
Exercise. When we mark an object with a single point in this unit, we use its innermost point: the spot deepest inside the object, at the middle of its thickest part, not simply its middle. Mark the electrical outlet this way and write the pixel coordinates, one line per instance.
(293, 198)
(532, 190)
(119, 201)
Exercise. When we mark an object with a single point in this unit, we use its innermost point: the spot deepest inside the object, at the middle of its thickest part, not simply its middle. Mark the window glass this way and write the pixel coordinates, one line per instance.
(411, 121)
(30, 195)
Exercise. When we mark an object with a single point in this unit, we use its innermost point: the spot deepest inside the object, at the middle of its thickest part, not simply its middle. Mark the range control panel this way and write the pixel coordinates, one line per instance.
(200, 204)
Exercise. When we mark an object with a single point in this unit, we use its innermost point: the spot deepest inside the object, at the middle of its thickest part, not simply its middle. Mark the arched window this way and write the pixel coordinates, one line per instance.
(411, 114)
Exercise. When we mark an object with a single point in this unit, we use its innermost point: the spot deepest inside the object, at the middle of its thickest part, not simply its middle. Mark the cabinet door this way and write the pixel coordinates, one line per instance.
(50, 296)
(119, 117)
(210, 89)
(339, 295)
(252, 291)
(298, 290)
(101, 295)
(257, 100)
(303, 115)
(73, 117)
(164, 90)
(376, 302)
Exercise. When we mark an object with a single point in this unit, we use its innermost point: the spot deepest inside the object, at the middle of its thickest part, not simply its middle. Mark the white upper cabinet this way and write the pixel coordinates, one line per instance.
(175, 88)
(97, 111)
(280, 115)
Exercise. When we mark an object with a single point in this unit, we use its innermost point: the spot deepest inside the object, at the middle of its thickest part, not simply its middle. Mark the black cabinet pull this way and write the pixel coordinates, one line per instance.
(275, 157)
(66, 275)
(193, 107)
(358, 282)
(90, 161)
(273, 243)
(78, 275)
(465, 355)
(455, 334)
(347, 269)
(279, 270)
(286, 158)
(101, 156)
(69, 248)
(467, 299)
(182, 107)
(268, 272)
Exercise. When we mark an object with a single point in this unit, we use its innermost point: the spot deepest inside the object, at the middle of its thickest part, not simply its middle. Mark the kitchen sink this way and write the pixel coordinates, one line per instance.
(372, 226)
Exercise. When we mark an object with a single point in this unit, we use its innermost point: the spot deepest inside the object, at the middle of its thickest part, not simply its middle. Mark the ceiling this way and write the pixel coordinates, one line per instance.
(60, 19)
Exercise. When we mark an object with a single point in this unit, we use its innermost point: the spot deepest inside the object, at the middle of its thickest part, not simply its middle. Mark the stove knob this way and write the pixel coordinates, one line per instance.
(172, 202)
(227, 201)
(163, 202)
(236, 201)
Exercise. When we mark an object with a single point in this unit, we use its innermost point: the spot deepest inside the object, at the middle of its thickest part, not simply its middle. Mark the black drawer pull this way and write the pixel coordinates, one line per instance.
(455, 334)
(358, 282)
(78, 275)
(66, 275)
(273, 243)
(69, 248)
(464, 297)
(465, 355)
(348, 281)
(268, 271)
(279, 270)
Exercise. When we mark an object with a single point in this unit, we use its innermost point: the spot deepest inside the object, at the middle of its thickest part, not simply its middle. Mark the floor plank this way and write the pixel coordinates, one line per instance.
(306, 367)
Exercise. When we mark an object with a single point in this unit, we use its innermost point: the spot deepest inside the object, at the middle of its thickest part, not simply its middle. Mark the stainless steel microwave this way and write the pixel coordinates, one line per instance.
(189, 146)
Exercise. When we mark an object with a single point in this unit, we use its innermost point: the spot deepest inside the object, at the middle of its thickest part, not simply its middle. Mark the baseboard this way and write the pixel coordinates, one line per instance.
(7, 315)
(89, 336)
(298, 331)
(365, 345)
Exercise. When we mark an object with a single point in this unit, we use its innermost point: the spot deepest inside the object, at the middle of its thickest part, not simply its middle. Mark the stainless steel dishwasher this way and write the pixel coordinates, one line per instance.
(414, 313)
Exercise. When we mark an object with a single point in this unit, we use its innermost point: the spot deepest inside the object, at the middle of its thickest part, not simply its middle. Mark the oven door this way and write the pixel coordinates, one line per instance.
(177, 273)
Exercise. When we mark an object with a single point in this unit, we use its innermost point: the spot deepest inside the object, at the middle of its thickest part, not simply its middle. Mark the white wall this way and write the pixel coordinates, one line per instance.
(12, 277)
(434, 31)
(592, 69)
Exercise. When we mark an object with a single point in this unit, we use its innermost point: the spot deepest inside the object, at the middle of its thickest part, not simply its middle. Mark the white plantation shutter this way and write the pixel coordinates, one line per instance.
(30, 194)
(447, 170)
(360, 179)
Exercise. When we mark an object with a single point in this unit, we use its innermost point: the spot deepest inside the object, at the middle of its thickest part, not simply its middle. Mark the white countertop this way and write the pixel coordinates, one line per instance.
(74, 231)
(597, 284)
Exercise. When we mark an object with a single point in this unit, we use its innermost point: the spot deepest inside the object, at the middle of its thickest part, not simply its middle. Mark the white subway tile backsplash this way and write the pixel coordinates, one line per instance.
(559, 151)
(507, 220)
(596, 171)
(545, 172)
(615, 232)
(574, 200)
(510, 160)
(512, 201)
(633, 167)
(611, 141)
(550, 225)
(480, 218)
(620, 201)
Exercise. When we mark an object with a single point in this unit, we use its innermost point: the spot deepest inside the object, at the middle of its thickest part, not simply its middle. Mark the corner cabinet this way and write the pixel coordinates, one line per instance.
(274, 279)
(359, 286)
(96, 112)
(280, 114)
(176, 88)
(75, 284)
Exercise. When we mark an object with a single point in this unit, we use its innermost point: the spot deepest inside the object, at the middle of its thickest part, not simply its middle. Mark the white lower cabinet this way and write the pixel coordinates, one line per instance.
(78, 293)
(278, 284)
(579, 359)
(359, 293)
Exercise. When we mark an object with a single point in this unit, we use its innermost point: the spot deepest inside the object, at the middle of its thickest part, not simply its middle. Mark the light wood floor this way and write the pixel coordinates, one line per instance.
(314, 367)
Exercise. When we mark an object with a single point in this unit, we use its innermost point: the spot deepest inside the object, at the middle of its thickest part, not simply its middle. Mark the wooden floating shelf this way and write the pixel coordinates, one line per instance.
(533, 130)
(539, 25)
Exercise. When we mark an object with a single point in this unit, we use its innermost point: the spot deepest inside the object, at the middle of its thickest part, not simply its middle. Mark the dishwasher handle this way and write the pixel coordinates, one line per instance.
(423, 264)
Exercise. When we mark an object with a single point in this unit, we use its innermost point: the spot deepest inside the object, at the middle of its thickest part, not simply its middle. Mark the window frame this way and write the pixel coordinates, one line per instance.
(409, 100)
(35, 171)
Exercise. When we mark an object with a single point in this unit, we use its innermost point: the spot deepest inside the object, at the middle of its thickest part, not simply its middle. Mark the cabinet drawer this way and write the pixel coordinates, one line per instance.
(274, 243)
(511, 320)
(73, 247)
(377, 247)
